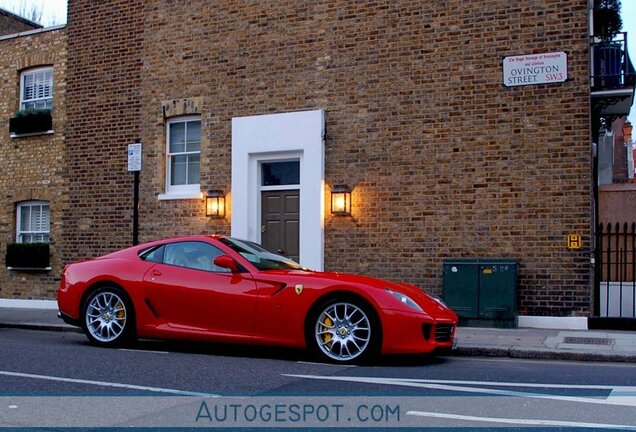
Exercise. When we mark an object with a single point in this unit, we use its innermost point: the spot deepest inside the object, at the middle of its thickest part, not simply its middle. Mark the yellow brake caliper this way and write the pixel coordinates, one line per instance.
(327, 336)
(120, 311)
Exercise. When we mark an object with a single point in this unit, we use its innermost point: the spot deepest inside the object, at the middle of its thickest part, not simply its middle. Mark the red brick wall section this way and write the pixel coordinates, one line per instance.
(617, 204)
(444, 160)
(619, 167)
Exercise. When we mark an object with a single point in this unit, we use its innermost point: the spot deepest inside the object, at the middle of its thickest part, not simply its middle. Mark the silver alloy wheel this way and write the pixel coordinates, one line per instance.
(343, 331)
(106, 316)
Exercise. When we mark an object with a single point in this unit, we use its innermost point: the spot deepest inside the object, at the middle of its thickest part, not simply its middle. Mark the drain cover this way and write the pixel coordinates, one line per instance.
(588, 341)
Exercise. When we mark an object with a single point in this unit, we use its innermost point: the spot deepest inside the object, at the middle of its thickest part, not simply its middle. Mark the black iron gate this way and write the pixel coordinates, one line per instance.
(615, 273)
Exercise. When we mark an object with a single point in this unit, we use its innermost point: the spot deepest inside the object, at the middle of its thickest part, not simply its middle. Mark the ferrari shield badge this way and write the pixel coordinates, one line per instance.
(299, 289)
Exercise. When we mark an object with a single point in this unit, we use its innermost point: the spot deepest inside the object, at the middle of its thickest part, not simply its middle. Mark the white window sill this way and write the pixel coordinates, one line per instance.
(48, 132)
(30, 269)
(180, 195)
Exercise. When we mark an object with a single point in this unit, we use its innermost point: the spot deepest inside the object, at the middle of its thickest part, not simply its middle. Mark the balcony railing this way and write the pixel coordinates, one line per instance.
(612, 68)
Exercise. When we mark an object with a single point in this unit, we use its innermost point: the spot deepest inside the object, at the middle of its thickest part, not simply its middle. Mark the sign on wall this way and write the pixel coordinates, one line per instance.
(532, 69)
(134, 157)
(574, 241)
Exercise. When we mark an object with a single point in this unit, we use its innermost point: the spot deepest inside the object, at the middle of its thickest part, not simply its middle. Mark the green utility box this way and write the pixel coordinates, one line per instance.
(482, 292)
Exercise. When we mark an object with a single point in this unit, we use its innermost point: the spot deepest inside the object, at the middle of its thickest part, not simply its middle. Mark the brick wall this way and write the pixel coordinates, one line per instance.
(104, 82)
(445, 162)
(10, 23)
(32, 166)
(617, 203)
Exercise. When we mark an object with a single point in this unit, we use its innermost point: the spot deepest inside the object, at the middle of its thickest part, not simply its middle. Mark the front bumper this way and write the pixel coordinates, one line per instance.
(415, 333)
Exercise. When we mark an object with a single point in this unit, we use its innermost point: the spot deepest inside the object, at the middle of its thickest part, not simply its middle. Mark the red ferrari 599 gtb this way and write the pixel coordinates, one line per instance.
(221, 289)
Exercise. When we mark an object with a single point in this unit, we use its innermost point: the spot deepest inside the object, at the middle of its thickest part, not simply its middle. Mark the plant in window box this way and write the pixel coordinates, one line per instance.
(28, 256)
(31, 121)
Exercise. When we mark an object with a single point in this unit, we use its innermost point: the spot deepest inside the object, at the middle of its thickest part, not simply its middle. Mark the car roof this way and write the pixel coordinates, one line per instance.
(136, 249)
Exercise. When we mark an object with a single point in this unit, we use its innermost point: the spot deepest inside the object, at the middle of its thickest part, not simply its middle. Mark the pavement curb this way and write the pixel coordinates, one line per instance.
(543, 354)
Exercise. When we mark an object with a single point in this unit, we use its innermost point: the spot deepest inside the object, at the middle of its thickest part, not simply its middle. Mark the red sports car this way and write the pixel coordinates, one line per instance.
(215, 288)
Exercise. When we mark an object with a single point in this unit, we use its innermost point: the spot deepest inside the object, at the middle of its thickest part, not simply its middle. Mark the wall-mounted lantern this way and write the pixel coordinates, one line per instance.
(215, 204)
(341, 200)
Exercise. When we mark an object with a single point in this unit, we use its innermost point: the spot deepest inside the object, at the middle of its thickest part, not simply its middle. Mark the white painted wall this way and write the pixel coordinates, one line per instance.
(28, 304)
(548, 322)
(294, 135)
(621, 300)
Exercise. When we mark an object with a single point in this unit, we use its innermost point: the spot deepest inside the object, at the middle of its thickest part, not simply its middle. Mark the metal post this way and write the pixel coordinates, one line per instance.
(134, 165)
(598, 235)
(135, 239)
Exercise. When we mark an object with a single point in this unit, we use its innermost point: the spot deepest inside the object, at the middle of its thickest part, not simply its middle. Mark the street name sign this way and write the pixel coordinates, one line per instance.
(546, 68)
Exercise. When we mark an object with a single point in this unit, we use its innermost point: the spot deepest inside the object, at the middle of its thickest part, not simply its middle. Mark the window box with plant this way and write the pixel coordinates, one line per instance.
(31, 121)
(28, 256)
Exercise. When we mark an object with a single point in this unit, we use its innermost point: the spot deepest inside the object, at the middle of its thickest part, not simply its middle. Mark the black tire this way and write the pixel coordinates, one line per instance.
(108, 317)
(344, 330)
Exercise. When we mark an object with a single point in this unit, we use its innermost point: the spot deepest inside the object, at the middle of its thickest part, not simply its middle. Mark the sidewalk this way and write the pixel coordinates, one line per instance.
(527, 343)
(531, 343)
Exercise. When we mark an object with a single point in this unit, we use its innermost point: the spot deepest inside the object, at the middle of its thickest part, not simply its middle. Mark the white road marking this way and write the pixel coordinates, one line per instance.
(631, 389)
(109, 384)
(627, 400)
(143, 351)
(532, 422)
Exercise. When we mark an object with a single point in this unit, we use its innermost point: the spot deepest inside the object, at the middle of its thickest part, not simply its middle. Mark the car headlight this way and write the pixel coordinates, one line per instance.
(403, 298)
(439, 300)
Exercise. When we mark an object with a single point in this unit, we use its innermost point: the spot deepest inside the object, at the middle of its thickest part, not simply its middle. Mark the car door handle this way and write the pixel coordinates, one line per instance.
(156, 273)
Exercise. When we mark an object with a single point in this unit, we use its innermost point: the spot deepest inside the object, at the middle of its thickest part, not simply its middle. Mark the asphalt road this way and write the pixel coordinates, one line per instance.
(43, 374)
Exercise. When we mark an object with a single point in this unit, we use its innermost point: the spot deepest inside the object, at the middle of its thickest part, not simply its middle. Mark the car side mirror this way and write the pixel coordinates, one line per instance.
(227, 262)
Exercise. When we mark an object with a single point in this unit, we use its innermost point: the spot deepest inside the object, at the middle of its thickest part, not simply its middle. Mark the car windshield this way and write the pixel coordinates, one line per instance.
(260, 257)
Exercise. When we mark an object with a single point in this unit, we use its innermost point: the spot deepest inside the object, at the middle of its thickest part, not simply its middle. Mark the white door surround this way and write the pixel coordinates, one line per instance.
(277, 137)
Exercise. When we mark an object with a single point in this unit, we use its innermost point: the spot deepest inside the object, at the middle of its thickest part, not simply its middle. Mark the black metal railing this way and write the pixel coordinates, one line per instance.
(612, 68)
(616, 270)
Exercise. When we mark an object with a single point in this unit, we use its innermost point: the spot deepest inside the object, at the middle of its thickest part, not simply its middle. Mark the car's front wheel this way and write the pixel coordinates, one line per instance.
(345, 331)
(108, 317)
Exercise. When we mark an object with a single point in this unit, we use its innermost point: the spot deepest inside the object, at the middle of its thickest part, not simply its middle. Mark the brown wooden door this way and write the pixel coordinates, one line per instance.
(279, 219)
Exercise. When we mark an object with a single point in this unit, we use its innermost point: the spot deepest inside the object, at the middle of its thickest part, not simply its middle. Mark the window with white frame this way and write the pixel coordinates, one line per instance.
(183, 155)
(36, 88)
(33, 222)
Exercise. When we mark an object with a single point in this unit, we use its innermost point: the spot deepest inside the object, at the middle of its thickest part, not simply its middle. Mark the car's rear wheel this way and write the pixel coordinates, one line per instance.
(345, 331)
(108, 317)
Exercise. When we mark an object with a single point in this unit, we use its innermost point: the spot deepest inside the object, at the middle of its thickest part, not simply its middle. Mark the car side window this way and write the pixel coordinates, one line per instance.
(153, 254)
(194, 255)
